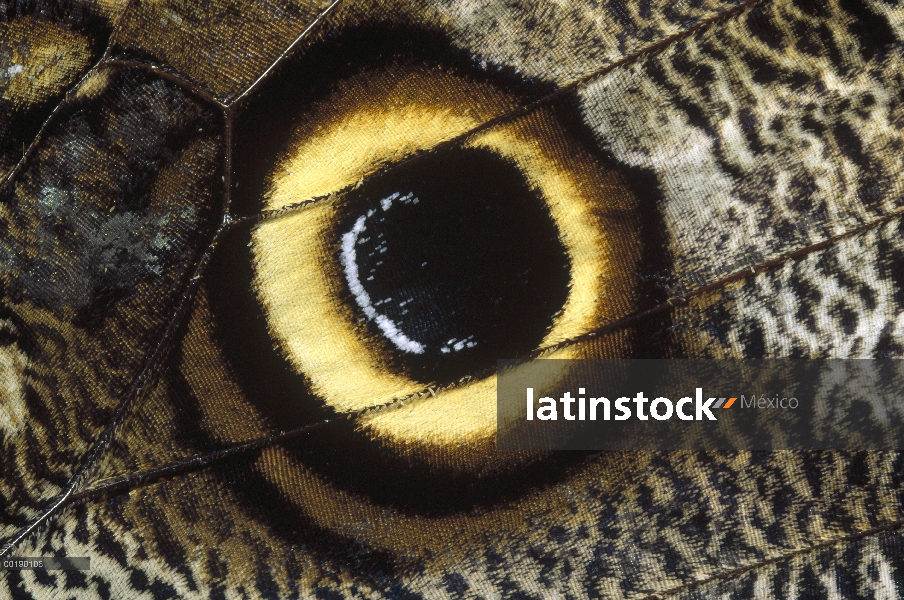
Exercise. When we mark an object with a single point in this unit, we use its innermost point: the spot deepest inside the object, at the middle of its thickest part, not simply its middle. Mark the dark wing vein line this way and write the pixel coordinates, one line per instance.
(148, 372)
(521, 111)
(201, 461)
(285, 53)
(139, 385)
(103, 58)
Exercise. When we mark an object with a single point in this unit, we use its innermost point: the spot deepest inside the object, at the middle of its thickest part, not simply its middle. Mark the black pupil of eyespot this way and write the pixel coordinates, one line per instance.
(455, 261)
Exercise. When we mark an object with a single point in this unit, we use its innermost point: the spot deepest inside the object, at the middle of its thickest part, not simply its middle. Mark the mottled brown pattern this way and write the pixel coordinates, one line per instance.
(100, 233)
(770, 132)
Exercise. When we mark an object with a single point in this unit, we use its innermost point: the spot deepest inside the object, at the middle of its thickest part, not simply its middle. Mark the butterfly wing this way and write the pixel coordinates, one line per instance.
(208, 396)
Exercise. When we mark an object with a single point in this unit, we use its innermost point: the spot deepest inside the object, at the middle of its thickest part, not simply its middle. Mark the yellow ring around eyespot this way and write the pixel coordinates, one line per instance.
(370, 121)
(299, 281)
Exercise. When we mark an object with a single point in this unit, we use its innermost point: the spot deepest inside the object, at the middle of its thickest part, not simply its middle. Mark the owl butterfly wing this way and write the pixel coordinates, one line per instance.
(260, 259)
